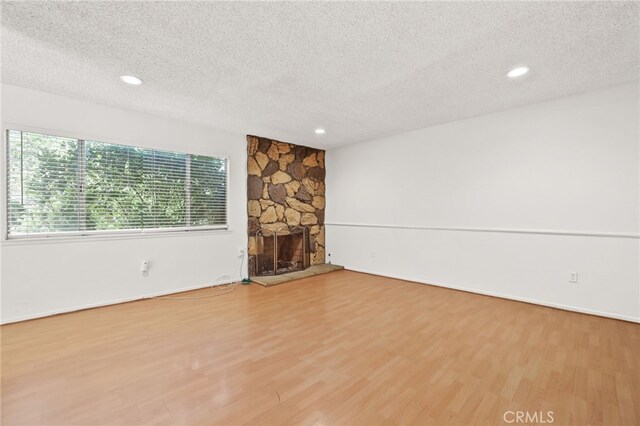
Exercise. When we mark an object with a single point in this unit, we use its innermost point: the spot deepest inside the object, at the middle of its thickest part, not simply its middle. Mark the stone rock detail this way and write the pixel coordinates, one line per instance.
(263, 145)
(310, 161)
(280, 177)
(273, 152)
(310, 186)
(303, 194)
(254, 225)
(253, 208)
(297, 170)
(285, 188)
(295, 185)
(252, 263)
(300, 152)
(293, 216)
(318, 202)
(300, 206)
(253, 168)
(316, 173)
(261, 159)
(283, 148)
(308, 219)
(320, 236)
(285, 160)
(278, 193)
(269, 215)
(290, 191)
(270, 169)
(252, 145)
(254, 187)
(276, 226)
(265, 203)
(318, 257)
(253, 246)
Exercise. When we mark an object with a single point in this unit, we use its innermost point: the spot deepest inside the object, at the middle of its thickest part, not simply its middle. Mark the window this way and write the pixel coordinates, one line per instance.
(60, 186)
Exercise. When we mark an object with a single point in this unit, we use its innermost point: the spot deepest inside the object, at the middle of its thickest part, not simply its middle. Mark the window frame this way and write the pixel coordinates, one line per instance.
(98, 234)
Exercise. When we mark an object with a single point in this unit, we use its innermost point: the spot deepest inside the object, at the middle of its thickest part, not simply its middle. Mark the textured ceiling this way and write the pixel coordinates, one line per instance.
(360, 69)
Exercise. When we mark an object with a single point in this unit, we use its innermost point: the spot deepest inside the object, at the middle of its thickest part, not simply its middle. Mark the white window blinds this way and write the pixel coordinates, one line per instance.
(71, 186)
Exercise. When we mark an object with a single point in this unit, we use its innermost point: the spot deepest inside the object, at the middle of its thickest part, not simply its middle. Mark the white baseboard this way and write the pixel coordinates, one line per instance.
(109, 303)
(502, 296)
(365, 271)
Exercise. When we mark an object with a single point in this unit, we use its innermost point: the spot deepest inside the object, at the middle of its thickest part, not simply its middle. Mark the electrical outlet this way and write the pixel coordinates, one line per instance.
(373, 253)
(573, 277)
(145, 268)
(240, 251)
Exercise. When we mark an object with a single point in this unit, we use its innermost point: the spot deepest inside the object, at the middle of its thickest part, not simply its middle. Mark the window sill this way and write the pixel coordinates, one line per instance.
(111, 237)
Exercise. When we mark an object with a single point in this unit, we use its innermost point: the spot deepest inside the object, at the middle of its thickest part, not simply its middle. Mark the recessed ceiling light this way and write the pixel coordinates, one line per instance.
(129, 79)
(517, 72)
(320, 131)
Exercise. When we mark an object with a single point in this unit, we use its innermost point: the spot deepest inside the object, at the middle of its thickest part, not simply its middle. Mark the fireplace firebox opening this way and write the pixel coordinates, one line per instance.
(282, 251)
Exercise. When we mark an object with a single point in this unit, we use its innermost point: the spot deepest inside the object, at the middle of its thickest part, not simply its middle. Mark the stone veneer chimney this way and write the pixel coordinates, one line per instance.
(285, 188)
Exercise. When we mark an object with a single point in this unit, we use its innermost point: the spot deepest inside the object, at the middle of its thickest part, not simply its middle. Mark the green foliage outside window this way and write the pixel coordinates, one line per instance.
(61, 185)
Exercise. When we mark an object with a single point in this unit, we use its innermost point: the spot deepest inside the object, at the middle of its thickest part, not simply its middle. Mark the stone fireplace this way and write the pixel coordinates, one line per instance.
(285, 205)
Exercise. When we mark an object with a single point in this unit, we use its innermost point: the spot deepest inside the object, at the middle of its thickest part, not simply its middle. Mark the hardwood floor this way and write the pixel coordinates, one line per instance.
(340, 348)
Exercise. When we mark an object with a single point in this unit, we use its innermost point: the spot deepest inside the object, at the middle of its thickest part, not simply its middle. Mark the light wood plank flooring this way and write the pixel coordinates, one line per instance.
(339, 348)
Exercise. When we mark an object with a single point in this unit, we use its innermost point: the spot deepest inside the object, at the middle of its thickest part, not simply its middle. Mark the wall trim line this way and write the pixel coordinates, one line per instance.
(566, 233)
(569, 308)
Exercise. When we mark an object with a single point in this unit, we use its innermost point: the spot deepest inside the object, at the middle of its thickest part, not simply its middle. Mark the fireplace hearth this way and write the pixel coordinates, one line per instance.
(281, 251)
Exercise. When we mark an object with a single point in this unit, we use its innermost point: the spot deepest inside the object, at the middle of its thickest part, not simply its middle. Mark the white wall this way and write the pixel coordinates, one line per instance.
(41, 278)
(569, 165)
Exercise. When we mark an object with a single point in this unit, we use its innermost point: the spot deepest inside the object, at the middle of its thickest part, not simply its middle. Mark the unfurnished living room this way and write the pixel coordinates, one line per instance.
(320, 213)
